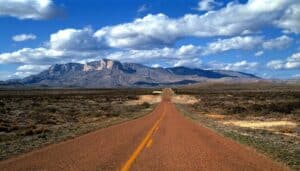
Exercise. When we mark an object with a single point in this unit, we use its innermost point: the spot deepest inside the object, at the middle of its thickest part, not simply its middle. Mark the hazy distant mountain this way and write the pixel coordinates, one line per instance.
(108, 73)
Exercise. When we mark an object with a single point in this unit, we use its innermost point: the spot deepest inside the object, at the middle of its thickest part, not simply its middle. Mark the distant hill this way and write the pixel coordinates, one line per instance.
(107, 73)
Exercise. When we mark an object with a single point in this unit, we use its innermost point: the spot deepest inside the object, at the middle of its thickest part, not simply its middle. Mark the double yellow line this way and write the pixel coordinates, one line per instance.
(147, 141)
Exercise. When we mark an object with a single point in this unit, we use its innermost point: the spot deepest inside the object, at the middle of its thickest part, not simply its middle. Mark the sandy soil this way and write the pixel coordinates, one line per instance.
(184, 99)
(261, 124)
(151, 99)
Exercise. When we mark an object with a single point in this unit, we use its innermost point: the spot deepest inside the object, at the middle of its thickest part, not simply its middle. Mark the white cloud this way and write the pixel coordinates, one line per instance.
(162, 54)
(33, 68)
(27, 70)
(278, 43)
(237, 66)
(23, 37)
(74, 39)
(28, 9)
(292, 62)
(142, 8)
(20, 74)
(159, 30)
(276, 64)
(45, 56)
(259, 53)
(242, 65)
(72, 45)
(188, 51)
(148, 32)
(290, 19)
(191, 63)
(207, 5)
(296, 76)
(155, 65)
(247, 42)
(4, 75)
(42, 55)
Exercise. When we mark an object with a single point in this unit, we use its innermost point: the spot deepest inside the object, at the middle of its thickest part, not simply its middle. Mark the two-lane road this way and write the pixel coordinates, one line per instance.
(162, 140)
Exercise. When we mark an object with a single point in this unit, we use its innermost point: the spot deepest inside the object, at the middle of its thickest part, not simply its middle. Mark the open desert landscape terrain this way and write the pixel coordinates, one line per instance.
(189, 128)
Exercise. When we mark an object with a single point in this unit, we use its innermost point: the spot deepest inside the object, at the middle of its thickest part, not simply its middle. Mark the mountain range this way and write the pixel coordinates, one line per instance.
(107, 73)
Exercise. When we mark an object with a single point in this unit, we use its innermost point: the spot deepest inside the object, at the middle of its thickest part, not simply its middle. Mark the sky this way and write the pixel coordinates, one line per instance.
(255, 36)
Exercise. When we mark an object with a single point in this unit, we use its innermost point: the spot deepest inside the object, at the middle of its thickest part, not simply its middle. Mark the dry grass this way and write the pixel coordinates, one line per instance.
(32, 120)
(263, 116)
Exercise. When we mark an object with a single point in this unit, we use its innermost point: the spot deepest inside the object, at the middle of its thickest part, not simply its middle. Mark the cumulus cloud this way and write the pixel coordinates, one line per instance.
(247, 42)
(259, 53)
(278, 43)
(4, 75)
(236, 66)
(74, 39)
(207, 5)
(32, 68)
(58, 54)
(72, 45)
(276, 64)
(160, 30)
(290, 19)
(296, 76)
(142, 8)
(23, 37)
(155, 65)
(27, 70)
(44, 56)
(292, 62)
(161, 54)
(191, 63)
(28, 9)
(148, 32)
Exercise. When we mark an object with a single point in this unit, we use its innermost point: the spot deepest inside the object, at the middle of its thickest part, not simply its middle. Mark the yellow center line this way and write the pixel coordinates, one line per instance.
(149, 143)
(144, 142)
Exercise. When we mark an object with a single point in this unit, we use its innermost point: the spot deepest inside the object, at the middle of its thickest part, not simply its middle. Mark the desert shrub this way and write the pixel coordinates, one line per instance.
(4, 127)
(145, 105)
(52, 108)
(36, 104)
(51, 121)
(105, 106)
(275, 107)
(132, 98)
(130, 109)
(28, 132)
(97, 113)
(235, 109)
(2, 110)
(116, 111)
(2, 104)
(284, 107)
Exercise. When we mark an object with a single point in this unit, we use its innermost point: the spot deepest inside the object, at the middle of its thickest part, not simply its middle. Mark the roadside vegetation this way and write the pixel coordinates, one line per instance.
(30, 119)
(264, 117)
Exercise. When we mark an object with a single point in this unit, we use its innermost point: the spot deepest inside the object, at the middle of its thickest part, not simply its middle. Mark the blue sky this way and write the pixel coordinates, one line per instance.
(255, 36)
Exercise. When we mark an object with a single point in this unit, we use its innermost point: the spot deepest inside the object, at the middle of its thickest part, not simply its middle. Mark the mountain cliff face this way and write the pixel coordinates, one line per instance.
(108, 73)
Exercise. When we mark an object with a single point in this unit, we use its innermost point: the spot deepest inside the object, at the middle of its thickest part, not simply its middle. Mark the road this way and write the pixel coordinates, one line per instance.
(162, 140)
